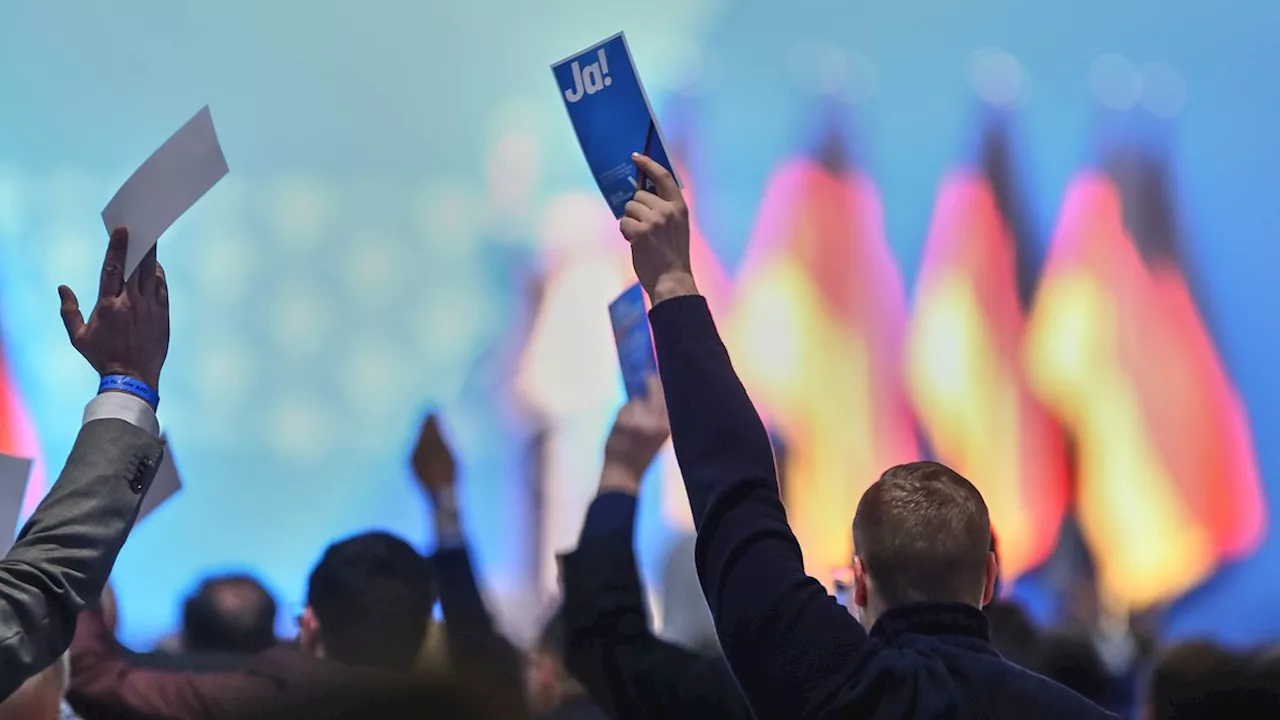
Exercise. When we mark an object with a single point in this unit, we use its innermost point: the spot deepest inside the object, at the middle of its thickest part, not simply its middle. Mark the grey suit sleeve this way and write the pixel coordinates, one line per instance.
(64, 554)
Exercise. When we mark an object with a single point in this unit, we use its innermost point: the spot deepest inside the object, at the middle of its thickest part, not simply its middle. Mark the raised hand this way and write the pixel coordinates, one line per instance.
(638, 433)
(657, 226)
(128, 330)
(433, 462)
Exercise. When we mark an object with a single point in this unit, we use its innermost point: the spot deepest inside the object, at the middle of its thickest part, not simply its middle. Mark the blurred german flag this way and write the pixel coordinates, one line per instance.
(1168, 485)
(964, 360)
(816, 334)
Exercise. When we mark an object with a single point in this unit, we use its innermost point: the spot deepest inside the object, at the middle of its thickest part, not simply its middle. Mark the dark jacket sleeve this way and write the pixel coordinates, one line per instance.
(65, 552)
(631, 673)
(478, 653)
(104, 683)
(792, 647)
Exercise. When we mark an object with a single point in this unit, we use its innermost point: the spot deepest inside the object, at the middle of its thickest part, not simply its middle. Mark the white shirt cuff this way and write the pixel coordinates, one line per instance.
(122, 406)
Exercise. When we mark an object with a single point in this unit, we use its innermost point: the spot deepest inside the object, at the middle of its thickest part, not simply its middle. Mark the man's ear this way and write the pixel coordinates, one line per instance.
(993, 575)
(860, 581)
(309, 633)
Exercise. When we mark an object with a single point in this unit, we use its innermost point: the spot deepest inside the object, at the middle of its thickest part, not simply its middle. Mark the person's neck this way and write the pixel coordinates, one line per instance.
(870, 613)
(875, 610)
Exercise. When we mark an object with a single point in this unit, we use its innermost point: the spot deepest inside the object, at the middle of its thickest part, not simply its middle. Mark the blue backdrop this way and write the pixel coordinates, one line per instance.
(390, 161)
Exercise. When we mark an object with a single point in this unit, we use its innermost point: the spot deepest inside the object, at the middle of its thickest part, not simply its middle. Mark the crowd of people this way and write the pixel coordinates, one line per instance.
(921, 630)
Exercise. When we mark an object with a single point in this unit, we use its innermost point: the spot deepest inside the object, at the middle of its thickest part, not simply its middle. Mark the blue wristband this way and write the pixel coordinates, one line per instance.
(133, 386)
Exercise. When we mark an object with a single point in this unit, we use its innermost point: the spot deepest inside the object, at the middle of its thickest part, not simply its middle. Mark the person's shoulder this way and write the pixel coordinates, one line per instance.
(1028, 690)
(286, 661)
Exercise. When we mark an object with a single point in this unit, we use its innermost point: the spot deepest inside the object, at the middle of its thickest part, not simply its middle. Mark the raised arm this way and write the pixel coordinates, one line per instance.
(476, 648)
(629, 671)
(790, 644)
(64, 554)
(106, 682)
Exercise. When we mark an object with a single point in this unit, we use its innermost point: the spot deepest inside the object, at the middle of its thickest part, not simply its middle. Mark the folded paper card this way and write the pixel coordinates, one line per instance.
(14, 474)
(611, 116)
(186, 167)
(165, 485)
(635, 342)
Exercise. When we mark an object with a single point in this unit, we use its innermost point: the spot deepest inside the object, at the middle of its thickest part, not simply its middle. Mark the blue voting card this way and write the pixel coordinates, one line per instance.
(635, 343)
(612, 117)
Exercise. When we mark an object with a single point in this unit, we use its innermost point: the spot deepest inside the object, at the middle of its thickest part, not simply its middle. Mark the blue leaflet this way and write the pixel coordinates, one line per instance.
(635, 343)
(611, 116)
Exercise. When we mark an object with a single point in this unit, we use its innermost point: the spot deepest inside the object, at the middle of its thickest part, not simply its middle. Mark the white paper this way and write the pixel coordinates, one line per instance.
(164, 486)
(14, 474)
(186, 167)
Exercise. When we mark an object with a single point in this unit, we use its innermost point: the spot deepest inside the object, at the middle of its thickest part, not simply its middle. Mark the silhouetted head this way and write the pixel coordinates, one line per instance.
(1198, 681)
(921, 534)
(229, 614)
(369, 603)
(1072, 660)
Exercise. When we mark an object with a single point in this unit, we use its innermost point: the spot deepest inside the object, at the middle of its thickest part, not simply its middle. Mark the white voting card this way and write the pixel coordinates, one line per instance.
(186, 167)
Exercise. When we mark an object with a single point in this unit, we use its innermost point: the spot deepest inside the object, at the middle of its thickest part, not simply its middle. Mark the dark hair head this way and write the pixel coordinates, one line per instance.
(1196, 680)
(372, 595)
(924, 535)
(1072, 660)
(229, 614)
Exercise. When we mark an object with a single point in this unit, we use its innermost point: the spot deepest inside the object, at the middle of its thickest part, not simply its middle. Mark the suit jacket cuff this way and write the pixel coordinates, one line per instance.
(122, 406)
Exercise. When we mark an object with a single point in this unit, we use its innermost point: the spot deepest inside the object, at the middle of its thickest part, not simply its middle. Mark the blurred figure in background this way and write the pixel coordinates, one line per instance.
(1013, 633)
(228, 619)
(631, 673)
(369, 603)
(476, 651)
(1199, 681)
(230, 614)
(554, 694)
(1072, 660)
(369, 610)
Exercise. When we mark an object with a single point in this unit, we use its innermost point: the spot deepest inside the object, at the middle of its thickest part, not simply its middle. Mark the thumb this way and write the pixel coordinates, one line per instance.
(71, 317)
(668, 188)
